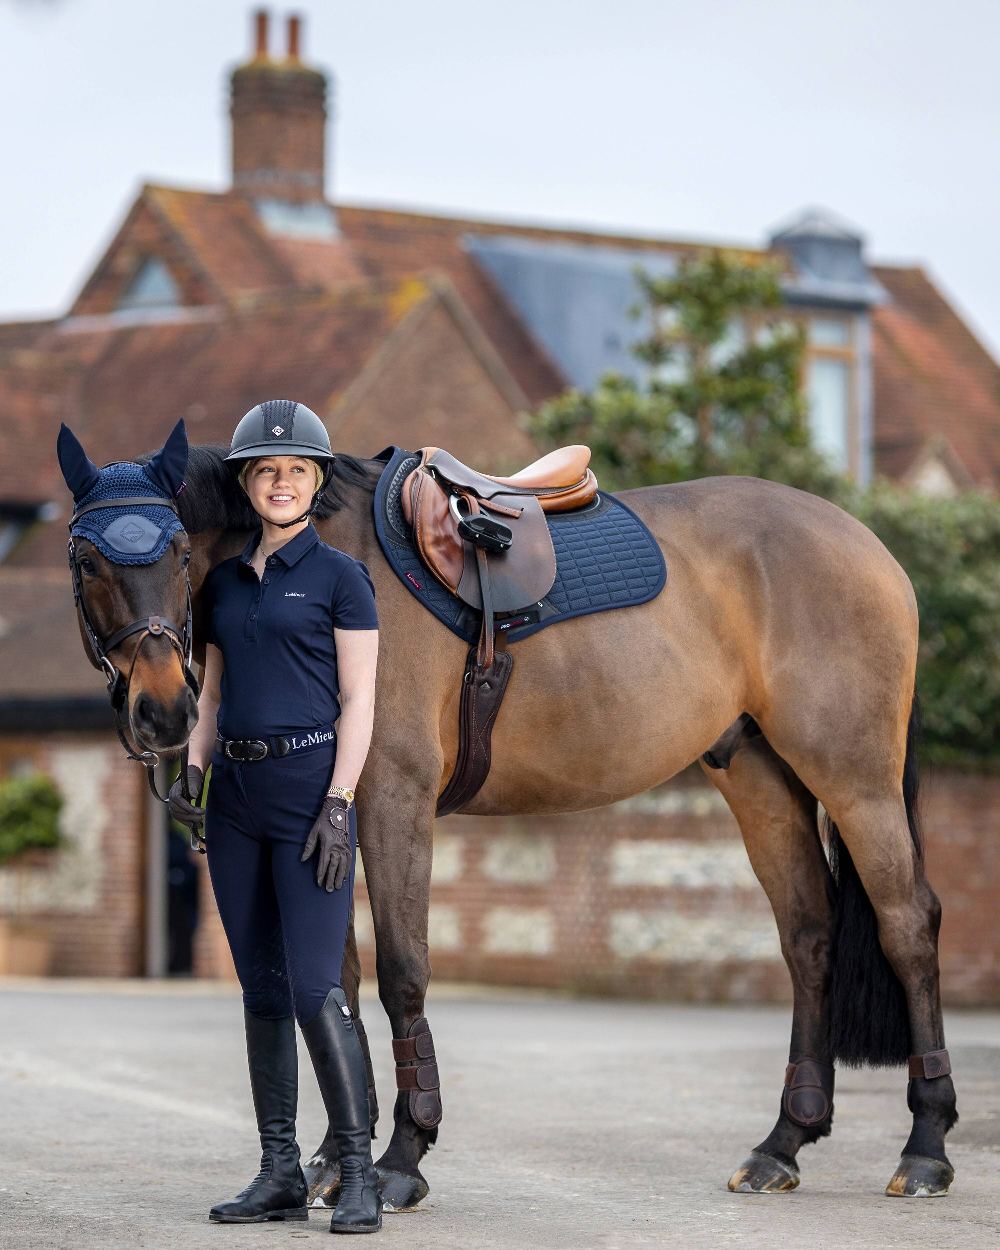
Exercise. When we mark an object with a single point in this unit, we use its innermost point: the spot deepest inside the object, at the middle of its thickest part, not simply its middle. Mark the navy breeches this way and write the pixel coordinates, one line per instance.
(286, 933)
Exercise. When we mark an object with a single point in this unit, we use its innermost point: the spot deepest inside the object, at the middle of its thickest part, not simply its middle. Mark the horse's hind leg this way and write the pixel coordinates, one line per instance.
(884, 868)
(885, 999)
(322, 1169)
(777, 817)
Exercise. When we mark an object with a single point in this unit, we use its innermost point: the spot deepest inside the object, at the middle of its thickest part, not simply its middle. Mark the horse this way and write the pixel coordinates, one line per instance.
(781, 657)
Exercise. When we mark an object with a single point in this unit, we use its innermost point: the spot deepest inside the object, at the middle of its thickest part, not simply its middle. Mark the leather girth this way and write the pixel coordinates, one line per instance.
(482, 693)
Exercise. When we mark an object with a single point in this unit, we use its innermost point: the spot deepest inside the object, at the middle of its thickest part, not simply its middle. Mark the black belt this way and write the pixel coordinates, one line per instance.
(252, 750)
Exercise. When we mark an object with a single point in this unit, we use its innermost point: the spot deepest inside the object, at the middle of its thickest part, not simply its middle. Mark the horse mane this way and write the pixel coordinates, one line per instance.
(214, 498)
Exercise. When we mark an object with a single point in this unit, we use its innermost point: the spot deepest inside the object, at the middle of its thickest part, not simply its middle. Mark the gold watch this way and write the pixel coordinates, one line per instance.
(341, 792)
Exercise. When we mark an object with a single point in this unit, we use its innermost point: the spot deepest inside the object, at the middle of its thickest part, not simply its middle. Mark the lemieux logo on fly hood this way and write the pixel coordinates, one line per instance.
(294, 594)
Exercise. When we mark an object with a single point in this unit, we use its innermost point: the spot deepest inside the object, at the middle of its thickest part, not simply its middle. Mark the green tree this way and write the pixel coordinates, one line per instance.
(723, 392)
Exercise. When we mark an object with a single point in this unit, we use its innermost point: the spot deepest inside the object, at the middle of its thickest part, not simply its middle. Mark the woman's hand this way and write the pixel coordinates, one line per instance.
(331, 833)
(185, 810)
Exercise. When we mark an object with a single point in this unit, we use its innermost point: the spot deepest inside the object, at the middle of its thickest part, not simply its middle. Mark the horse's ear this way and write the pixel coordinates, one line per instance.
(78, 469)
(169, 464)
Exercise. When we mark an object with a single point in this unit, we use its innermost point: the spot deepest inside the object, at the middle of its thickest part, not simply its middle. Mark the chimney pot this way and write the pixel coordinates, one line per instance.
(261, 20)
(294, 28)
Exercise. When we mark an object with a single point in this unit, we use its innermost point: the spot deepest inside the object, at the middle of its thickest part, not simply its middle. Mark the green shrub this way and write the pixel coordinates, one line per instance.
(950, 549)
(29, 814)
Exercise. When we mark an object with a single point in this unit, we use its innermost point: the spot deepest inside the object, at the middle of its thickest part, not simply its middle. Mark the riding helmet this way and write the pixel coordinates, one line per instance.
(281, 427)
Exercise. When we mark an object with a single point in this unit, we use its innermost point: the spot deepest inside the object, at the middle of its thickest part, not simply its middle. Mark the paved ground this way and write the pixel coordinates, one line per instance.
(576, 1124)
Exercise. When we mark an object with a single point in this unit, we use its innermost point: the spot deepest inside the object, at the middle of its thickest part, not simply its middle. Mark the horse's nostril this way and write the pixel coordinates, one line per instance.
(144, 709)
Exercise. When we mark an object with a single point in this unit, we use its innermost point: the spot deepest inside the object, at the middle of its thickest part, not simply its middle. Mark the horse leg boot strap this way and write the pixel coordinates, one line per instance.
(339, 1062)
(934, 1064)
(278, 1191)
(417, 1072)
(807, 1098)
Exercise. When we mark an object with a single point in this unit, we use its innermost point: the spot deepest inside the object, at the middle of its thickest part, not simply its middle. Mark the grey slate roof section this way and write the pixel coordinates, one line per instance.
(574, 299)
(830, 266)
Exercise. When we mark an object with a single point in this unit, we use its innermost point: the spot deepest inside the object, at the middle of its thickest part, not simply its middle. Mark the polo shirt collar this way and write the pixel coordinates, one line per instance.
(288, 553)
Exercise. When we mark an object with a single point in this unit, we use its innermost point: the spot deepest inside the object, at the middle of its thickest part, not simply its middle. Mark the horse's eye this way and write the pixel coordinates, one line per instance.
(86, 565)
(186, 560)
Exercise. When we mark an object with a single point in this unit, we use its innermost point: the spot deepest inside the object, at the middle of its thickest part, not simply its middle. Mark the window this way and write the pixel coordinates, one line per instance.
(829, 384)
(152, 286)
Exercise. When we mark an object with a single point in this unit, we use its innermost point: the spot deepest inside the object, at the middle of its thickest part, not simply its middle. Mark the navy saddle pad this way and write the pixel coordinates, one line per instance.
(605, 558)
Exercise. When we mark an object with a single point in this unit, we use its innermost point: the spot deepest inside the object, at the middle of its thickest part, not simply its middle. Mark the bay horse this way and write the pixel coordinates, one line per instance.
(781, 608)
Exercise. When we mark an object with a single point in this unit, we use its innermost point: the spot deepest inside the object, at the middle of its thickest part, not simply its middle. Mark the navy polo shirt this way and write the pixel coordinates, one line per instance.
(276, 633)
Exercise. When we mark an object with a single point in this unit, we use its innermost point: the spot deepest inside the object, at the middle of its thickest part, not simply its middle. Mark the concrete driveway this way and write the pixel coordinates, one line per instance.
(568, 1123)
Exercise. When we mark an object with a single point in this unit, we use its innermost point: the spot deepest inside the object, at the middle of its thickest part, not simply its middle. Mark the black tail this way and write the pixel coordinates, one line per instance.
(869, 1021)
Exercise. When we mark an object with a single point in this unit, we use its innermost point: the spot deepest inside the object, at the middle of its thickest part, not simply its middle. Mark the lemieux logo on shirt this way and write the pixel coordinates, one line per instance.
(294, 594)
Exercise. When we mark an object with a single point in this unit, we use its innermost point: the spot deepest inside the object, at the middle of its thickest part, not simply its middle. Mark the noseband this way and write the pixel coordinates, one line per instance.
(145, 627)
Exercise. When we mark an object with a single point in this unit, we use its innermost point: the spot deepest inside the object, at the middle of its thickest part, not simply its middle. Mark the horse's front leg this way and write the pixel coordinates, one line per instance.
(397, 839)
(777, 817)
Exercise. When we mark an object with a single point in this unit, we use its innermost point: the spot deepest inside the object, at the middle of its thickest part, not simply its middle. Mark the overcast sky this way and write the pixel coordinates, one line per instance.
(705, 119)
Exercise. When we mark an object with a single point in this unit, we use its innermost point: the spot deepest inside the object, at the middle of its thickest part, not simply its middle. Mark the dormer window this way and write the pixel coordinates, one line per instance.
(152, 286)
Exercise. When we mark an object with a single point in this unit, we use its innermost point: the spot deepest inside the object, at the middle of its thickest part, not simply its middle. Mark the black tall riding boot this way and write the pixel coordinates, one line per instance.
(278, 1191)
(337, 1056)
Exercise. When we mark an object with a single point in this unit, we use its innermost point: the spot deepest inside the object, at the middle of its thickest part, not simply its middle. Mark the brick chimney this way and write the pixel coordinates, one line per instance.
(278, 110)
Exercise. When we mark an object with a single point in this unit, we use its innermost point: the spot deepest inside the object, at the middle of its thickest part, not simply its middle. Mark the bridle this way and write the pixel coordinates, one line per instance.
(156, 626)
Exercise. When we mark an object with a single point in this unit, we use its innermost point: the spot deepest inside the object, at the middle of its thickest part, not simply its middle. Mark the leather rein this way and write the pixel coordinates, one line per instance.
(147, 626)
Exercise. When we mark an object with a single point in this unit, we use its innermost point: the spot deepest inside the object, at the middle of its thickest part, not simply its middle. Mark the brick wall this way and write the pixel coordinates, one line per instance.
(88, 896)
(655, 898)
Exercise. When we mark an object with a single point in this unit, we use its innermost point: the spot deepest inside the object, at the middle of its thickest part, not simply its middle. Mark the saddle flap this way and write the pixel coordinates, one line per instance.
(519, 576)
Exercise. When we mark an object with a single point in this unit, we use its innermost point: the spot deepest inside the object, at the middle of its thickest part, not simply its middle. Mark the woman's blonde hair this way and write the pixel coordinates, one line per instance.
(248, 465)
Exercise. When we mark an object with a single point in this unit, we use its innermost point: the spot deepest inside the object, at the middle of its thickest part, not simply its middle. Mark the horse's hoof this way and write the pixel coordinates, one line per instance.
(760, 1174)
(920, 1177)
(323, 1179)
(400, 1191)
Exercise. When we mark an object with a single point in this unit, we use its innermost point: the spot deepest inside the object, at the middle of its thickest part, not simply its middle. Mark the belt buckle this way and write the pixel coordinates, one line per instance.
(227, 748)
(260, 746)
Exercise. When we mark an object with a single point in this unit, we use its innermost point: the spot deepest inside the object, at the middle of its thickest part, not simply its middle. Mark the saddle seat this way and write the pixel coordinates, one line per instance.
(562, 469)
(525, 571)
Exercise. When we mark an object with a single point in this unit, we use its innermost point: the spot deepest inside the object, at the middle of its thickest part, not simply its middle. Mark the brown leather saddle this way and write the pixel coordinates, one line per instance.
(486, 539)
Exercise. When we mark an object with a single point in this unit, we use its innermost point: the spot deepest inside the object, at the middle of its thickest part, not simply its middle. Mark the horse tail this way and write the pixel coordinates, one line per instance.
(869, 1019)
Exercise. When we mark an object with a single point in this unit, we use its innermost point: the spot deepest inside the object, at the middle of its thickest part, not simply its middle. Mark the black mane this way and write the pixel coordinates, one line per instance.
(214, 498)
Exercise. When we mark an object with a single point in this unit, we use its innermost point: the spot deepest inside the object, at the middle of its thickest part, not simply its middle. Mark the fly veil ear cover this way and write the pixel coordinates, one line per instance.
(140, 533)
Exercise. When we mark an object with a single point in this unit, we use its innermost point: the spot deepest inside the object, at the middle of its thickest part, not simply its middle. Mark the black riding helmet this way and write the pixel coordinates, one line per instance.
(281, 427)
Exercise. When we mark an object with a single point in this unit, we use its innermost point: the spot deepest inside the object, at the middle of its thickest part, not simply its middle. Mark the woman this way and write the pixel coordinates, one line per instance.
(291, 645)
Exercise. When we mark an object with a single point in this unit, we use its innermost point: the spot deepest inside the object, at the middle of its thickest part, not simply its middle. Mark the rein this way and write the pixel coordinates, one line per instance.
(155, 626)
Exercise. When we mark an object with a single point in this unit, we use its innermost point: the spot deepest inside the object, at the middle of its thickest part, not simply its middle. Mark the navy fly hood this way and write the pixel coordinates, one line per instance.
(134, 534)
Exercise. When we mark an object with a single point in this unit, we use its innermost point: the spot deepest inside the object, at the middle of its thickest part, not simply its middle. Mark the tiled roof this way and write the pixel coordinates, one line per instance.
(225, 235)
(137, 379)
(933, 378)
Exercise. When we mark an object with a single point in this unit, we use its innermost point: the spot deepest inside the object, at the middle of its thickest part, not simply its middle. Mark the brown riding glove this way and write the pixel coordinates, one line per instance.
(185, 810)
(331, 833)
